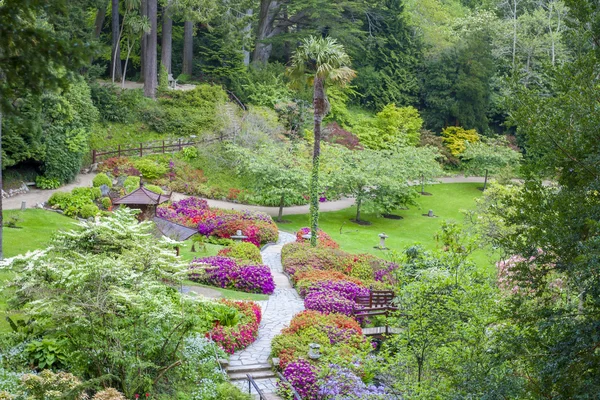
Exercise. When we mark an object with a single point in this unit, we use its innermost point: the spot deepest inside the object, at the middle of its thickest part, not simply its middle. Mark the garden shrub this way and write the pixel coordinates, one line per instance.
(102, 179)
(48, 385)
(227, 273)
(89, 210)
(241, 335)
(243, 252)
(109, 394)
(60, 200)
(45, 183)
(323, 239)
(118, 166)
(302, 376)
(155, 189)
(150, 169)
(455, 138)
(131, 183)
(106, 203)
(306, 279)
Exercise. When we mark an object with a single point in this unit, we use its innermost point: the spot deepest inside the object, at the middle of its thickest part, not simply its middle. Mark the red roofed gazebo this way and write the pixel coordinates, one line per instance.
(144, 200)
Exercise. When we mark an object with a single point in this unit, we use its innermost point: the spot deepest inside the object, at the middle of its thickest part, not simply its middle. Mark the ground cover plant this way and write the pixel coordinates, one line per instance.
(218, 223)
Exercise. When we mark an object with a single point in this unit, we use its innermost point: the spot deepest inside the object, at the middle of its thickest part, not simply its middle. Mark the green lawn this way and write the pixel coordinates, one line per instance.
(447, 202)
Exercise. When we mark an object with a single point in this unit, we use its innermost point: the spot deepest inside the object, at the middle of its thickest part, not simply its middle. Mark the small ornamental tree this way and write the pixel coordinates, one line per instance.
(380, 180)
(489, 157)
(277, 171)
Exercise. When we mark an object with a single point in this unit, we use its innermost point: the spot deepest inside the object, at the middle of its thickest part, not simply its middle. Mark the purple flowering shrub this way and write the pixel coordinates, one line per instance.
(339, 383)
(302, 376)
(337, 296)
(227, 273)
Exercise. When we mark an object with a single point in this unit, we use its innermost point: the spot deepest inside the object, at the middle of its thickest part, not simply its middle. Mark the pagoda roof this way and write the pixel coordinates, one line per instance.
(142, 196)
(173, 230)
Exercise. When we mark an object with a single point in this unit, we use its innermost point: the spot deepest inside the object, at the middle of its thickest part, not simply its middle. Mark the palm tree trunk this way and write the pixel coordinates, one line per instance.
(188, 47)
(150, 65)
(167, 40)
(320, 107)
(116, 38)
(1, 186)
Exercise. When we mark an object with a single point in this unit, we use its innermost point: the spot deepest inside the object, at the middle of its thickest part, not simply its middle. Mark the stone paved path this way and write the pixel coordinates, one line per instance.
(278, 311)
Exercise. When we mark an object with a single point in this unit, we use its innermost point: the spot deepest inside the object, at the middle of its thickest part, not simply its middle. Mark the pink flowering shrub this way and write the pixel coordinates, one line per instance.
(323, 239)
(215, 222)
(518, 275)
(225, 272)
(240, 336)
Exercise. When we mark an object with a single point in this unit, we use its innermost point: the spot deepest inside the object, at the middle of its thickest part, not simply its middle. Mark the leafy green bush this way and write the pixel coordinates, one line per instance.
(60, 199)
(242, 251)
(89, 210)
(48, 385)
(456, 138)
(93, 193)
(131, 183)
(47, 183)
(46, 353)
(189, 153)
(150, 169)
(155, 189)
(102, 179)
(106, 203)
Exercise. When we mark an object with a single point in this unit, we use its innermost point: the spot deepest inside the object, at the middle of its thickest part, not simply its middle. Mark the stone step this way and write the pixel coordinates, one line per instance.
(239, 376)
(248, 368)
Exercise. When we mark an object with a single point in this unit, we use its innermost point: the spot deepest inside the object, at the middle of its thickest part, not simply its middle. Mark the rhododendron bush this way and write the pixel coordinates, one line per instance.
(239, 335)
(228, 273)
(219, 223)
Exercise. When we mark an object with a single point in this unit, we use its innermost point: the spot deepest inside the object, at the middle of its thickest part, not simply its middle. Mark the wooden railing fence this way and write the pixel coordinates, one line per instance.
(153, 147)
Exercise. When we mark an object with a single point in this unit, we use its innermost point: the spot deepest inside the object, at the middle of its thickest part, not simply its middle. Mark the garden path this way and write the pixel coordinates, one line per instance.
(36, 196)
(277, 313)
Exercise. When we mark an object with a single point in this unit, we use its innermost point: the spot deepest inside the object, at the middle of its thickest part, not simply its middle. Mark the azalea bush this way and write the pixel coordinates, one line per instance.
(219, 223)
(334, 296)
(323, 239)
(242, 334)
(225, 272)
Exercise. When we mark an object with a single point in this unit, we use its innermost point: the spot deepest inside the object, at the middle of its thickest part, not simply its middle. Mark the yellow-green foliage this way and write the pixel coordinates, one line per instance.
(102, 179)
(455, 138)
(109, 394)
(391, 127)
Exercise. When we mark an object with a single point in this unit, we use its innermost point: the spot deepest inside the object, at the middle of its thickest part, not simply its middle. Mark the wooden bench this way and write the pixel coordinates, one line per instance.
(377, 302)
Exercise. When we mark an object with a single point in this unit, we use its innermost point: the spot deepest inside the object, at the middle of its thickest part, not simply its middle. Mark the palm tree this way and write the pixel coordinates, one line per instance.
(319, 60)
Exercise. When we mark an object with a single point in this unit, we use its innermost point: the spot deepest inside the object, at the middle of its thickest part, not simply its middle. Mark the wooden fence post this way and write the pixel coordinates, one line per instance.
(180, 148)
(163, 147)
(141, 149)
(119, 150)
(93, 156)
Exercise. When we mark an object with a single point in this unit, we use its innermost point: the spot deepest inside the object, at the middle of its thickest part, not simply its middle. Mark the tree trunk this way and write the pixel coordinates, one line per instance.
(167, 40)
(281, 203)
(247, 34)
(358, 204)
(116, 38)
(188, 48)
(485, 180)
(320, 109)
(99, 22)
(266, 18)
(150, 65)
(143, 43)
(1, 186)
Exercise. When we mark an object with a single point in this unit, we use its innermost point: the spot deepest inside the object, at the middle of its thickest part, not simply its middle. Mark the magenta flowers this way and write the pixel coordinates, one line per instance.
(226, 273)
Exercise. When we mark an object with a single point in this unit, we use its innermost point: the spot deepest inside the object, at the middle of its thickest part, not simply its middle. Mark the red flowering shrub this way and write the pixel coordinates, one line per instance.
(118, 166)
(233, 338)
(323, 239)
(334, 133)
